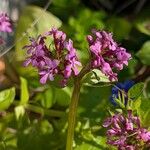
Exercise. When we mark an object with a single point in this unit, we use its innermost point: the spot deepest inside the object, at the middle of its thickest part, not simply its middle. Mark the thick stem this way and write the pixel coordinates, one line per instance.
(72, 114)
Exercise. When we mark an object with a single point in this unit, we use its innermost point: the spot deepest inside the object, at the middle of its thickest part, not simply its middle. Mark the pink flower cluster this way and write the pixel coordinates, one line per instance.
(5, 25)
(126, 133)
(59, 59)
(106, 54)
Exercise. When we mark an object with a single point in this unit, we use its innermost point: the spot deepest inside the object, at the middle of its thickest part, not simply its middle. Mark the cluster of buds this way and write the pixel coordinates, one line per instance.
(58, 59)
(126, 133)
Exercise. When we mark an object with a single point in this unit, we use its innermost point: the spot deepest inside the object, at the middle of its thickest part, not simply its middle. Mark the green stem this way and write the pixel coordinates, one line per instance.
(72, 114)
(73, 106)
(39, 110)
(48, 112)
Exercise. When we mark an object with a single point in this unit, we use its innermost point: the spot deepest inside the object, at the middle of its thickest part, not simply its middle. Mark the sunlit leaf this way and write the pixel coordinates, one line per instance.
(24, 91)
(95, 77)
(19, 112)
(6, 98)
(136, 91)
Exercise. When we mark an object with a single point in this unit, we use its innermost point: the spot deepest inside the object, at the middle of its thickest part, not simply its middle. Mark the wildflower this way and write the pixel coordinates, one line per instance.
(5, 24)
(122, 89)
(58, 59)
(106, 54)
(125, 132)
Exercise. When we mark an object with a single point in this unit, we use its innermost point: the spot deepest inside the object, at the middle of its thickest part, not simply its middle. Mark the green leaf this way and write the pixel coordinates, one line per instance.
(62, 96)
(119, 27)
(143, 22)
(136, 91)
(81, 29)
(24, 91)
(95, 77)
(143, 26)
(135, 104)
(96, 144)
(28, 16)
(144, 112)
(144, 53)
(47, 98)
(6, 98)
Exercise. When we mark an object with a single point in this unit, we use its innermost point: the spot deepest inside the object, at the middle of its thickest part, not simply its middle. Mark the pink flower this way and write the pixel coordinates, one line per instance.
(125, 132)
(106, 54)
(5, 23)
(59, 59)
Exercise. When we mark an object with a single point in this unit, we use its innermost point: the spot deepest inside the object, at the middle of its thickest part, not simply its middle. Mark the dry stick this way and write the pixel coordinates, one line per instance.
(27, 31)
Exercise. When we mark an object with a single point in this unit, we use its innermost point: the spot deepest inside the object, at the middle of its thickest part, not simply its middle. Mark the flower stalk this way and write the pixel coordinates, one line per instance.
(72, 114)
(74, 105)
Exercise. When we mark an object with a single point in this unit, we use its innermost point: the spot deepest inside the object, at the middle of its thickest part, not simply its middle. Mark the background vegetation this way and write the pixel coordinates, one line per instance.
(33, 116)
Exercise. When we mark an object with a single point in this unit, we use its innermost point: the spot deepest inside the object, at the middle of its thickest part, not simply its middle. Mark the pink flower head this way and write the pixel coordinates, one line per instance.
(125, 132)
(58, 59)
(5, 23)
(106, 54)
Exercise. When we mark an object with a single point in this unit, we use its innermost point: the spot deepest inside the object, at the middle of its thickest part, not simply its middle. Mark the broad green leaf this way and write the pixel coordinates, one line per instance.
(144, 112)
(6, 98)
(28, 16)
(136, 91)
(119, 27)
(144, 53)
(47, 98)
(62, 96)
(93, 103)
(24, 91)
